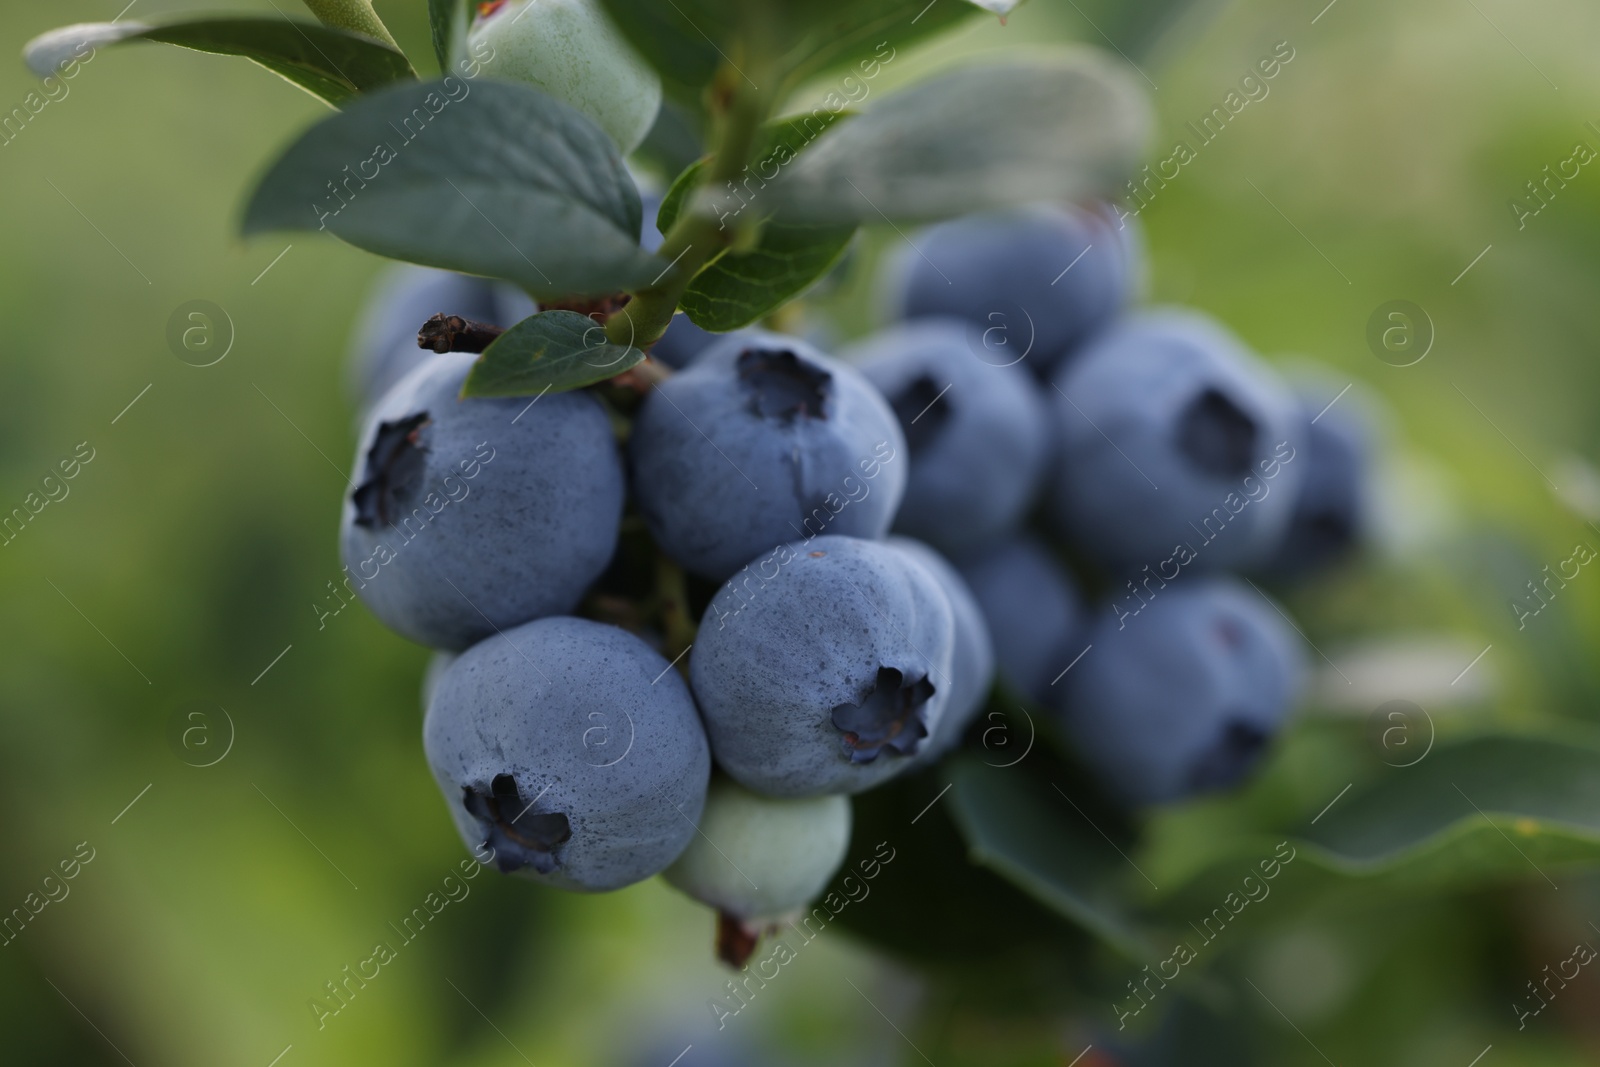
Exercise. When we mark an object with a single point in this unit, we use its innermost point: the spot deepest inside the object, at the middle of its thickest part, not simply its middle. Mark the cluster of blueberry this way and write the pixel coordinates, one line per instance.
(869, 541)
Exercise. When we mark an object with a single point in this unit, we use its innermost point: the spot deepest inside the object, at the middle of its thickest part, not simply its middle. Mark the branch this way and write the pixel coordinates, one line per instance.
(452, 333)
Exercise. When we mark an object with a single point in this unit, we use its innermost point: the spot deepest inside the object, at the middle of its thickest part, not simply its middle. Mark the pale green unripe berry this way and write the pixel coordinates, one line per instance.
(570, 49)
(759, 858)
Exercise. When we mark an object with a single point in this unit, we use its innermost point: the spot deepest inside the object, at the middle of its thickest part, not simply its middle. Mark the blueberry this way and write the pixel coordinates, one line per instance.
(1177, 447)
(761, 441)
(1331, 512)
(972, 658)
(1033, 608)
(384, 348)
(683, 343)
(571, 50)
(1036, 281)
(979, 435)
(470, 516)
(1184, 697)
(572, 750)
(823, 666)
(758, 858)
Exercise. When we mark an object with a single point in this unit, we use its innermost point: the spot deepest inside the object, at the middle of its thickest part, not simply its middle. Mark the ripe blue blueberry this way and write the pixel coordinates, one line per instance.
(972, 658)
(979, 435)
(1033, 609)
(572, 750)
(470, 516)
(761, 441)
(1177, 447)
(384, 348)
(759, 858)
(1035, 281)
(824, 666)
(1185, 697)
(1332, 510)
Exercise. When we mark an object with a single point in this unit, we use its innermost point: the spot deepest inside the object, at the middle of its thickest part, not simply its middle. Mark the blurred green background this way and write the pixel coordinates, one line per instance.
(189, 554)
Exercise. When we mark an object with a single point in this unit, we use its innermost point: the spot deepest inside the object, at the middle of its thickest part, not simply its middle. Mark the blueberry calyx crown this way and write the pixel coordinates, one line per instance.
(1234, 754)
(517, 837)
(1217, 436)
(921, 417)
(783, 386)
(890, 715)
(394, 463)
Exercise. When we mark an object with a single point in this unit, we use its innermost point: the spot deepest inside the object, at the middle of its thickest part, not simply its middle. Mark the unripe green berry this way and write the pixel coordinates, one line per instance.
(570, 49)
(759, 858)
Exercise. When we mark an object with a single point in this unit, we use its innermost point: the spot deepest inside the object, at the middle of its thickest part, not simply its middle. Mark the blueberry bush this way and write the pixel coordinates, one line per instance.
(985, 607)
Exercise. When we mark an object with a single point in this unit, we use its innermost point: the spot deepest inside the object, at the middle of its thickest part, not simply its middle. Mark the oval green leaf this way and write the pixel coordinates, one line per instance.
(333, 65)
(481, 177)
(553, 351)
(1058, 126)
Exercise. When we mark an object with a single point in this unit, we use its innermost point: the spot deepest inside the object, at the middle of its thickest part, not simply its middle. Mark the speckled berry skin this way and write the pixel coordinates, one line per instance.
(1036, 281)
(1033, 608)
(470, 516)
(824, 667)
(384, 347)
(570, 49)
(979, 435)
(763, 440)
(572, 750)
(1172, 433)
(1184, 697)
(972, 664)
(759, 858)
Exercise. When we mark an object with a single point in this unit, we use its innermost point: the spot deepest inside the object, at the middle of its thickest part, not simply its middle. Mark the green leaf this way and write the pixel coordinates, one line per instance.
(553, 351)
(1067, 125)
(1029, 833)
(687, 40)
(1490, 807)
(331, 64)
(488, 178)
(738, 288)
(447, 19)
